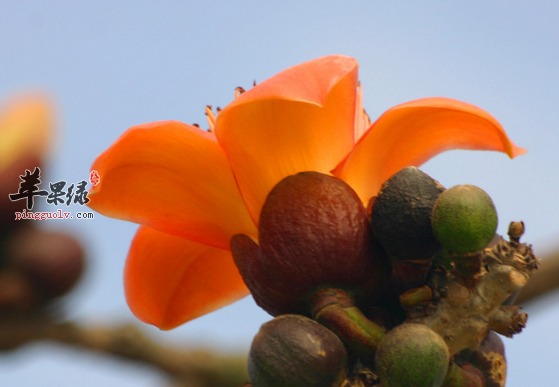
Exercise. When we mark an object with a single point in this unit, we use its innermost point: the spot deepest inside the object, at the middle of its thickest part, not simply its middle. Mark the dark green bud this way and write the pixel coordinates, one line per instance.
(401, 215)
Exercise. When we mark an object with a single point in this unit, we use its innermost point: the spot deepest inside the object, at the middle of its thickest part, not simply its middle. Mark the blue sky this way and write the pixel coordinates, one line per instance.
(111, 65)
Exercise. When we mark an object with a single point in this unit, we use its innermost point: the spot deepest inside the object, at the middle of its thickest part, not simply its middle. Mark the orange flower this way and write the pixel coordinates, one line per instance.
(26, 126)
(191, 190)
(26, 134)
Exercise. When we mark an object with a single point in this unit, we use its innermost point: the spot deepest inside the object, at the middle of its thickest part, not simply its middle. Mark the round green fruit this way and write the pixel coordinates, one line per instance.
(295, 351)
(412, 355)
(464, 219)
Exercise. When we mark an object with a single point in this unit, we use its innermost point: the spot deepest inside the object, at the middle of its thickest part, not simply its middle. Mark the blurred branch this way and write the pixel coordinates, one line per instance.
(185, 368)
(543, 281)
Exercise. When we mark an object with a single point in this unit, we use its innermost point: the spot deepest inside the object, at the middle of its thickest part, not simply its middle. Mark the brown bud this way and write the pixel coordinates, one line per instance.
(296, 351)
(17, 294)
(490, 359)
(313, 232)
(464, 375)
(516, 230)
(9, 184)
(53, 261)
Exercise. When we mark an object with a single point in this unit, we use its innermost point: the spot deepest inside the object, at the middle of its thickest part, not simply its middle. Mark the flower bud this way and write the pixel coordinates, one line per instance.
(490, 359)
(401, 221)
(17, 294)
(401, 215)
(296, 351)
(463, 375)
(412, 355)
(313, 233)
(52, 261)
(10, 178)
(464, 219)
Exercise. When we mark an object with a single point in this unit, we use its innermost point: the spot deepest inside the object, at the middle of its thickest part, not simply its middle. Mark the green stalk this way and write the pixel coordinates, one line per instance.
(335, 309)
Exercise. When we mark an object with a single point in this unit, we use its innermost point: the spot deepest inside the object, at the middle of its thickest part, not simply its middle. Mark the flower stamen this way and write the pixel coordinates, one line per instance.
(212, 118)
(238, 91)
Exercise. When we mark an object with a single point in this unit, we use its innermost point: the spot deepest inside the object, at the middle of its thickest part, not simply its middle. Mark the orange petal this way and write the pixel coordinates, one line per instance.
(170, 280)
(26, 126)
(362, 122)
(172, 177)
(302, 119)
(412, 133)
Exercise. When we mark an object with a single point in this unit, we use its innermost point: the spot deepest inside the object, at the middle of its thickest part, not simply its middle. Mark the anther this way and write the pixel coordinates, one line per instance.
(238, 91)
(212, 118)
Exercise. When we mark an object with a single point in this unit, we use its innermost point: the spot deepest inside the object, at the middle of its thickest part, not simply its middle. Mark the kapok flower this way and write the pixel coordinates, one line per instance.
(192, 190)
(26, 126)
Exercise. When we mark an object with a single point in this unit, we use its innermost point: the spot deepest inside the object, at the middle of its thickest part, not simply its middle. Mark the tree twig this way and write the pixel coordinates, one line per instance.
(543, 281)
(185, 368)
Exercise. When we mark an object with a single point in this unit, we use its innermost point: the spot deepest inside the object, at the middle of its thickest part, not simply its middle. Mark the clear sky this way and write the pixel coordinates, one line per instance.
(111, 65)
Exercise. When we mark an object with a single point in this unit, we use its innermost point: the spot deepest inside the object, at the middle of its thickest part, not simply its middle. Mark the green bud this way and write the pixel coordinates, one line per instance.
(464, 219)
(412, 355)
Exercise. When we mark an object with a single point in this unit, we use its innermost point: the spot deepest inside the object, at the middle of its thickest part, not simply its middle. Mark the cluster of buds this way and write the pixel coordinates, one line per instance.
(407, 292)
